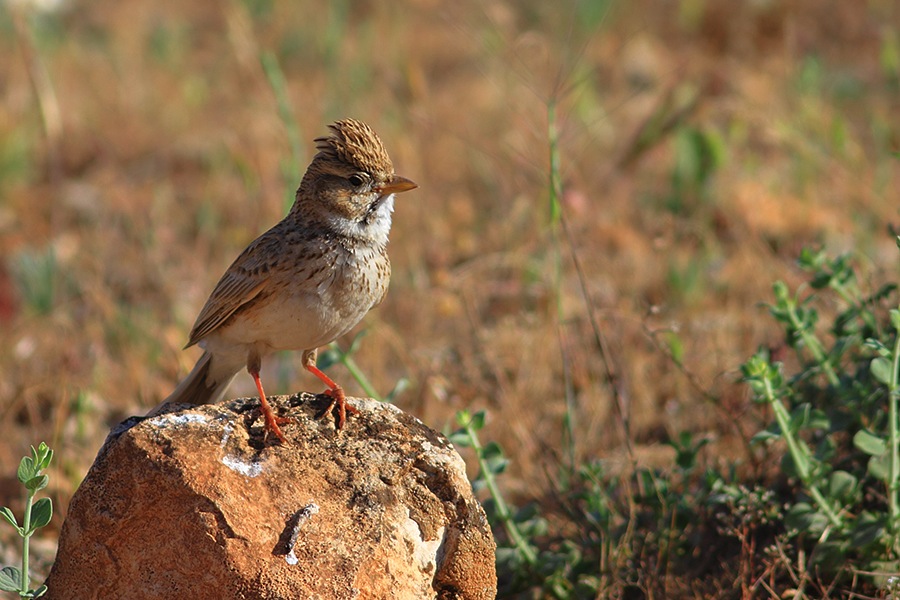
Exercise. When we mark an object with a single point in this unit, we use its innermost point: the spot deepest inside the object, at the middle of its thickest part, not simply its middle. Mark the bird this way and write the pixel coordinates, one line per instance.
(306, 281)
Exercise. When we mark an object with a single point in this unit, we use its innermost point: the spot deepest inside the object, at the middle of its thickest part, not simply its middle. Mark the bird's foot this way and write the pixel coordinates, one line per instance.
(340, 405)
(272, 421)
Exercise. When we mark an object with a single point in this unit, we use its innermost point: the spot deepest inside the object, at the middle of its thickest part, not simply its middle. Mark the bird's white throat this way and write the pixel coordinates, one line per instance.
(373, 228)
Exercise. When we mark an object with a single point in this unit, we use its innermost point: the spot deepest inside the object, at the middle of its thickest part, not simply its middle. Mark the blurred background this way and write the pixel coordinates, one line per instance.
(607, 191)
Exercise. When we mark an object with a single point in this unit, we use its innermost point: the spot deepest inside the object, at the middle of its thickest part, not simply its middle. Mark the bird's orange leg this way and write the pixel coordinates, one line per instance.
(338, 399)
(272, 421)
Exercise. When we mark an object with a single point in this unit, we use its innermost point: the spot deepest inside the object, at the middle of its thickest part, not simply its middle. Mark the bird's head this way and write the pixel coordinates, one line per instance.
(350, 183)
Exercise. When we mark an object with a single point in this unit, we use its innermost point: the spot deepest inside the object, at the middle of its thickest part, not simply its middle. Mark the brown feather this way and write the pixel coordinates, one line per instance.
(355, 143)
(243, 281)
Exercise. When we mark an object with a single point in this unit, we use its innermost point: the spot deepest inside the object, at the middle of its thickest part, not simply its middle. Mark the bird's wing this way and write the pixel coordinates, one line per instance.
(244, 280)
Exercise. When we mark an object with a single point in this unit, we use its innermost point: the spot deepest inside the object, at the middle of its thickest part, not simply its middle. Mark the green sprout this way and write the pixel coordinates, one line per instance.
(37, 515)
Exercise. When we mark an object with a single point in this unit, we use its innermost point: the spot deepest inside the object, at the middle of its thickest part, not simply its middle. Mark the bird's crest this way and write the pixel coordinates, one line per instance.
(354, 142)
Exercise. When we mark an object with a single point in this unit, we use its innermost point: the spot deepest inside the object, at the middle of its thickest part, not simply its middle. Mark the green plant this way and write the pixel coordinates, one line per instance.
(519, 558)
(37, 515)
(829, 517)
(837, 417)
(491, 463)
(38, 277)
(698, 153)
(535, 559)
(608, 533)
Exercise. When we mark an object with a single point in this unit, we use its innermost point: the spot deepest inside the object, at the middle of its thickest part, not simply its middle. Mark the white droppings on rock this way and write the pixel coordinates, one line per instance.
(176, 419)
(226, 433)
(244, 467)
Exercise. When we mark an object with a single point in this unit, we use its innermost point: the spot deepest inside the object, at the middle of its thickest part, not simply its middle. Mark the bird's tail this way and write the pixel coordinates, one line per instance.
(196, 388)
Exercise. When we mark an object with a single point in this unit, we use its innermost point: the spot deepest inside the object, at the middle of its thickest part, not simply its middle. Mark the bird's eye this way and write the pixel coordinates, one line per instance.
(356, 180)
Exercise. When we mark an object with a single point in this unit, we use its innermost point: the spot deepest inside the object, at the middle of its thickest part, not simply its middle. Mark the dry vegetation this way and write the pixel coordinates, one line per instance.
(701, 144)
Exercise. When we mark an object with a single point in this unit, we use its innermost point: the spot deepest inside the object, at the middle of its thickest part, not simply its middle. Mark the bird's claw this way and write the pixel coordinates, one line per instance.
(339, 402)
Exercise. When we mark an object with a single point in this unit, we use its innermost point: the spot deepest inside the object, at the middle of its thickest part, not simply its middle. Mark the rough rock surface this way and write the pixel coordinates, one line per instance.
(192, 504)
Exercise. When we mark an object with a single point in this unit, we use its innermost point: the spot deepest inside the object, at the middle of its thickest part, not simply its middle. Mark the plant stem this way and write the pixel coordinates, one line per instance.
(814, 346)
(26, 539)
(799, 453)
(359, 376)
(893, 394)
(555, 180)
(521, 544)
(555, 196)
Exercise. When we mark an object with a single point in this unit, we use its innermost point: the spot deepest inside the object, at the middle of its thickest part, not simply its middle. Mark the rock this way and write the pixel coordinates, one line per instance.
(192, 504)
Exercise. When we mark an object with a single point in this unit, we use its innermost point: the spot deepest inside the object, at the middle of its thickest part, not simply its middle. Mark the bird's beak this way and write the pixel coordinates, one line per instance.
(396, 185)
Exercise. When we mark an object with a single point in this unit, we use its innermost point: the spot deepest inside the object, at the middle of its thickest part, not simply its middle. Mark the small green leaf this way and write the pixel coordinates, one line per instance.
(7, 514)
(820, 280)
(508, 557)
(804, 517)
(780, 289)
(809, 258)
(39, 592)
(676, 346)
(878, 347)
(885, 570)
(825, 450)
(401, 386)
(881, 369)
(895, 319)
(494, 459)
(497, 465)
(354, 345)
(842, 485)
(533, 527)
(328, 357)
(829, 554)
(526, 513)
(804, 417)
(867, 530)
(817, 419)
(460, 438)
(10, 579)
(879, 467)
(765, 436)
(756, 365)
(26, 469)
(41, 512)
(45, 455)
(463, 417)
(869, 443)
(477, 421)
(37, 483)
(491, 450)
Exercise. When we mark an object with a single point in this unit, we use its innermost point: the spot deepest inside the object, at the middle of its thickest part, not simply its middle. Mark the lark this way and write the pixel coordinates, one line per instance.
(306, 281)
